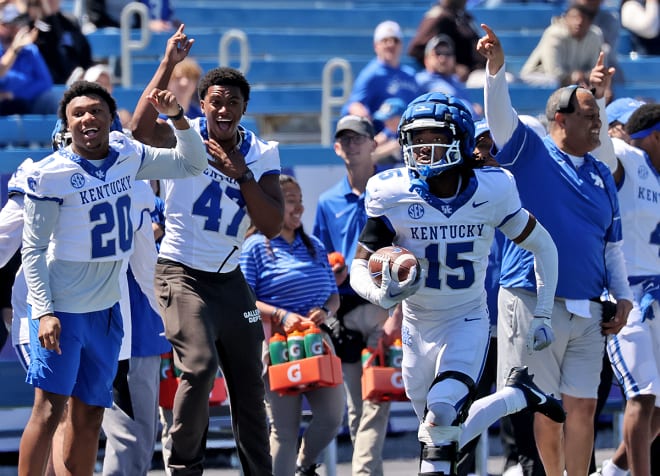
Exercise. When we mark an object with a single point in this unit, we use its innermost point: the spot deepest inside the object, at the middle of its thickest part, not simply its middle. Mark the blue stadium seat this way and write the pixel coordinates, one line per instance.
(264, 100)
(261, 71)
(299, 44)
(521, 17)
(262, 44)
(356, 16)
(27, 130)
(525, 99)
(335, 17)
(639, 71)
(9, 130)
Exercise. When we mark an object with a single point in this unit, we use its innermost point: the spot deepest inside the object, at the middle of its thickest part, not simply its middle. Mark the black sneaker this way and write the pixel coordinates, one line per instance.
(307, 470)
(537, 400)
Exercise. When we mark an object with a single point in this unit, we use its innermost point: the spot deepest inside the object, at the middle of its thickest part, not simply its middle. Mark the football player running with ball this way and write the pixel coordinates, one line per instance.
(445, 209)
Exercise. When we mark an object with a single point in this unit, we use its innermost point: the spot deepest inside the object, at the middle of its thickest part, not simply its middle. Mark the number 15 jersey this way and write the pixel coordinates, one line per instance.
(451, 238)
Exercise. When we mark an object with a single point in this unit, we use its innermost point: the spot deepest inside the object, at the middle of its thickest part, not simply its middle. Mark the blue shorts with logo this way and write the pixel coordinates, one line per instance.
(86, 368)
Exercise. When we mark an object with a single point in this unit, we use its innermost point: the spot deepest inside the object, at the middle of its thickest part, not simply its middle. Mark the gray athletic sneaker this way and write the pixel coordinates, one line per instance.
(537, 400)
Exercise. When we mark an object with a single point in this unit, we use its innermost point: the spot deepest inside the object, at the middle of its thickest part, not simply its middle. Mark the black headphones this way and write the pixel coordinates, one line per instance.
(565, 104)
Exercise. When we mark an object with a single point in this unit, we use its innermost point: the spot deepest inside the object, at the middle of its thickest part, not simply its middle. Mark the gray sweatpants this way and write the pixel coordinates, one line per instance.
(367, 420)
(130, 426)
(211, 319)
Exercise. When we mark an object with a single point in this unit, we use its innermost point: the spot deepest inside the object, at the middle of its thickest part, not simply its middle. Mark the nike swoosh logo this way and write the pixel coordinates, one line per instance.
(538, 394)
(389, 294)
(478, 204)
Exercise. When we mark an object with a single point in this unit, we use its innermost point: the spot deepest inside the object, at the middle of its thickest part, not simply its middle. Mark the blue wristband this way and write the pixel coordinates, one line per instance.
(283, 320)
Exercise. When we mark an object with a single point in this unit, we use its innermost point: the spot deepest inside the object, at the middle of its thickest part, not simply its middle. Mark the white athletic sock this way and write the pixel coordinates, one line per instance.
(608, 468)
(514, 398)
(487, 410)
(431, 466)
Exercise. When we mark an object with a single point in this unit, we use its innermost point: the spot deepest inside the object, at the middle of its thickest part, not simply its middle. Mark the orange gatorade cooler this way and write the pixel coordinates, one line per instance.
(381, 384)
(297, 376)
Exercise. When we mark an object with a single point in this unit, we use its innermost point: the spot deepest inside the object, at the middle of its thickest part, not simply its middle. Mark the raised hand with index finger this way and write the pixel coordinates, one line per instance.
(601, 76)
(490, 47)
(178, 45)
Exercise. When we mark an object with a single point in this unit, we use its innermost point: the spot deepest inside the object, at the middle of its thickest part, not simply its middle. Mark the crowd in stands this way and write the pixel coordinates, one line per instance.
(418, 152)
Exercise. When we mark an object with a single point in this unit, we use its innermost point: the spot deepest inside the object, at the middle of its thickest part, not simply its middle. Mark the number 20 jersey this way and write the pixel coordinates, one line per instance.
(452, 238)
(206, 216)
(95, 222)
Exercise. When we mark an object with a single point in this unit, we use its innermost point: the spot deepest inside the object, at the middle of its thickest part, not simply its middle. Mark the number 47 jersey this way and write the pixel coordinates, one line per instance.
(206, 216)
(451, 238)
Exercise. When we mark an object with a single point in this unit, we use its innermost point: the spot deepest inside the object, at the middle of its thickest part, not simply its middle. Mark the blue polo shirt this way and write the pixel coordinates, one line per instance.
(578, 206)
(287, 275)
(379, 81)
(340, 217)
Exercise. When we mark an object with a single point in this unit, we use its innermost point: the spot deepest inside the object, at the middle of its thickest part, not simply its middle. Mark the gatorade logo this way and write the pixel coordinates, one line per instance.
(396, 361)
(396, 380)
(295, 351)
(284, 354)
(293, 373)
(317, 348)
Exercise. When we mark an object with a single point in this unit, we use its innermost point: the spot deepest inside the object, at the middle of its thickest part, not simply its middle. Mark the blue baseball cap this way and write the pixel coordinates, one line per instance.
(481, 127)
(621, 109)
(390, 108)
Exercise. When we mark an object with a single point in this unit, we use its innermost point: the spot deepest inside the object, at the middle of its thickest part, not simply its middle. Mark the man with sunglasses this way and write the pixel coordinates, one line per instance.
(340, 215)
(439, 73)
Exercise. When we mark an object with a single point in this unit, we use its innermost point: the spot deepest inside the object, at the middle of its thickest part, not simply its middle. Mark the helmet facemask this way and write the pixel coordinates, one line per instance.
(429, 159)
(435, 111)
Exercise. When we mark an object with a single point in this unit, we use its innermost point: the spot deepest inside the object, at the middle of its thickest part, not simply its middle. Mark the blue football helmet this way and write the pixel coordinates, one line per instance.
(436, 111)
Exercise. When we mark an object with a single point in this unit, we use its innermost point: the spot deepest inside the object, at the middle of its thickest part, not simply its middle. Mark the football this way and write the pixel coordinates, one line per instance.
(402, 262)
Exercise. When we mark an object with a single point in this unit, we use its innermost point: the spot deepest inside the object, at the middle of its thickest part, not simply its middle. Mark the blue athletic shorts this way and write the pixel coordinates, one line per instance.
(23, 354)
(86, 368)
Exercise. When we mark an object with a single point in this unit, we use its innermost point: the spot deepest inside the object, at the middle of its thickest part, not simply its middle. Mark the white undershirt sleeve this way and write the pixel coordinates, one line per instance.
(616, 270)
(540, 243)
(500, 115)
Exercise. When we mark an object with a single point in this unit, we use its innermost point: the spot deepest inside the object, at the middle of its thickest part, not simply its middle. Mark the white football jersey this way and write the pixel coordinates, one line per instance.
(11, 215)
(95, 222)
(206, 216)
(451, 239)
(16, 182)
(639, 198)
(143, 256)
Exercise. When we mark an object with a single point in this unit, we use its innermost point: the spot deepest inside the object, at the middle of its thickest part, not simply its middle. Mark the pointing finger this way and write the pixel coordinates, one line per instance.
(489, 32)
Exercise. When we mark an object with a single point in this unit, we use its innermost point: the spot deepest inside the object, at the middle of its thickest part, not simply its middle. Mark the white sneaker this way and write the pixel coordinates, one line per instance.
(515, 470)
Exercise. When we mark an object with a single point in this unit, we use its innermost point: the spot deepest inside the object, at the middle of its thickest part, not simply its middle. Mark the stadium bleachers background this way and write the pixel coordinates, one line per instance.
(289, 43)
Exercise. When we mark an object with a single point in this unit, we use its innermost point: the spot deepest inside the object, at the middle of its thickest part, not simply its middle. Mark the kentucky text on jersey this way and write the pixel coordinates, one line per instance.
(444, 232)
(647, 194)
(217, 176)
(106, 190)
